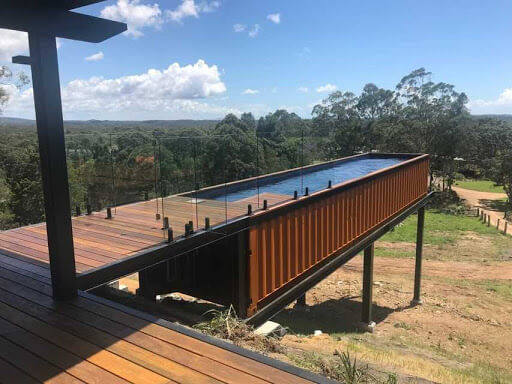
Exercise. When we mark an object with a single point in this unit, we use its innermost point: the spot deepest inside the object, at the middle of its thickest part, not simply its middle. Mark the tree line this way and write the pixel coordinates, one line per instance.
(116, 163)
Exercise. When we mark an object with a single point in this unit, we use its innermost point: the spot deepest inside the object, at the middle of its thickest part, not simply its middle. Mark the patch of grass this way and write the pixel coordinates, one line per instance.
(402, 325)
(342, 367)
(502, 288)
(419, 365)
(440, 228)
(480, 186)
(394, 253)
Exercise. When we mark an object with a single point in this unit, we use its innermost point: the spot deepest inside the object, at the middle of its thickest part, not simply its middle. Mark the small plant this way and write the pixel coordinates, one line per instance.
(402, 325)
(347, 370)
(392, 379)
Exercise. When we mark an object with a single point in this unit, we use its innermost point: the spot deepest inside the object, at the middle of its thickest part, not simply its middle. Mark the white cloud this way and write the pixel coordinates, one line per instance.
(95, 57)
(175, 92)
(206, 7)
(239, 28)
(12, 43)
(304, 89)
(274, 17)
(503, 104)
(255, 30)
(250, 91)
(326, 88)
(189, 8)
(136, 15)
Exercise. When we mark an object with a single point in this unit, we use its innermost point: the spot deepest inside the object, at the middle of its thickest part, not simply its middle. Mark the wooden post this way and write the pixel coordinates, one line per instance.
(498, 224)
(366, 317)
(52, 151)
(506, 227)
(488, 220)
(419, 256)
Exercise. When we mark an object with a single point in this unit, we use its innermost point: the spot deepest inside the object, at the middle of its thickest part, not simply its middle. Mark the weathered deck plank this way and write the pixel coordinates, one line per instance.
(92, 340)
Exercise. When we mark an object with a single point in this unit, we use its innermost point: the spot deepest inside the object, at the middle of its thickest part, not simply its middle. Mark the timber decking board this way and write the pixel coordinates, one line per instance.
(134, 228)
(92, 340)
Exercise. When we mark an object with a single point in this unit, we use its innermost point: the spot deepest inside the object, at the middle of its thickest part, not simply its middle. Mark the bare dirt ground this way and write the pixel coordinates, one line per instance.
(462, 333)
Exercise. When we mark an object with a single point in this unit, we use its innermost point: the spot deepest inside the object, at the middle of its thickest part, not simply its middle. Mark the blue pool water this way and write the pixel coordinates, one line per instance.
(315, 180)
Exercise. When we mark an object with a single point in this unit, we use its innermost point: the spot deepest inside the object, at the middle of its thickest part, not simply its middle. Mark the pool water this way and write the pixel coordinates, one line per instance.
(315, 180)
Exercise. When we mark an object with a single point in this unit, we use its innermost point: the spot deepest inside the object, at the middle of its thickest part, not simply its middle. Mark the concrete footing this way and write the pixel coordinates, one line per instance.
(415, 302)
(367, 327)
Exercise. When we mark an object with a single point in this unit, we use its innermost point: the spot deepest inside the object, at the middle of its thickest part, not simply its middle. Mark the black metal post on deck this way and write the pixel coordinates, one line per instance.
(50, 131)
(366, 318)
(419, 255)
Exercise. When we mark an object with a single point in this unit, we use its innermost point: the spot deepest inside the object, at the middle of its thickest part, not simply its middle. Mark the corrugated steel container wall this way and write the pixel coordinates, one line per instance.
(283, 248)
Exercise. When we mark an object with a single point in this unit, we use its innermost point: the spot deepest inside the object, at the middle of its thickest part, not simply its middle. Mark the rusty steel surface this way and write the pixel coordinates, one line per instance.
(296, 237)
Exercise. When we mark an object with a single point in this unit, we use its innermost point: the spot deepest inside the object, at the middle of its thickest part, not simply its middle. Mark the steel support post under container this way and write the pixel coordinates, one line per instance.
(243, 274)
(52, 151)
(366, 319)
(301, 301)
(419, 255)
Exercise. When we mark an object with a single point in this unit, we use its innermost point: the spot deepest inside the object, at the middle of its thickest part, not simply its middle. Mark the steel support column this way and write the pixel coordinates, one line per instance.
(419, 256)
(243, 277)
(366, 317)
(301, 301)
(50, 131)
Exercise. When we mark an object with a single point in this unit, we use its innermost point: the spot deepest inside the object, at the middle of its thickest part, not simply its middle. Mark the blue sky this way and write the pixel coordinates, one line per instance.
(257, 56)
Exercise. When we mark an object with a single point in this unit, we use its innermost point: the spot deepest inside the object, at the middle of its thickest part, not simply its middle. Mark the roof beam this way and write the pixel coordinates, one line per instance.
(24, 60)
(60, 4)
(58, 23)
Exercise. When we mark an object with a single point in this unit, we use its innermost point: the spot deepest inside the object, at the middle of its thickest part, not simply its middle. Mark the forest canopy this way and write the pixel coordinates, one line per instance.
(111, 163)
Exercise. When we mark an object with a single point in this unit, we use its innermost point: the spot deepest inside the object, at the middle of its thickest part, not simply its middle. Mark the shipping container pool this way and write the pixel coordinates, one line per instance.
(315, 178)
(268, 251)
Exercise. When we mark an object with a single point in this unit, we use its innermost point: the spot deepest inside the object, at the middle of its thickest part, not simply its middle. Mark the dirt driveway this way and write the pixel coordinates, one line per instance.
(489, 202)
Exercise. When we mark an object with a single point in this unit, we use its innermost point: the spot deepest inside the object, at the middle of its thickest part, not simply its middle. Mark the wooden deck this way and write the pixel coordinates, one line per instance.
(93, 340)
(133, 228)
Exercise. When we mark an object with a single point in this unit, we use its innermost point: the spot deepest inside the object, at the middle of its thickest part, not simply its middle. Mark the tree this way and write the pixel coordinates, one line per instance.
(338, 116)
(503, 177)
(6, 82)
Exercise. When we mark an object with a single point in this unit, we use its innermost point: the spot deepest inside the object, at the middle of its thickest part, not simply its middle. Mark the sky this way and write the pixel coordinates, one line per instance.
(202, 59)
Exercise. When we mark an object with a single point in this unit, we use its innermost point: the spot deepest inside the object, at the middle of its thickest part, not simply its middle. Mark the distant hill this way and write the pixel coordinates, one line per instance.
(507, 118)
(8, 124)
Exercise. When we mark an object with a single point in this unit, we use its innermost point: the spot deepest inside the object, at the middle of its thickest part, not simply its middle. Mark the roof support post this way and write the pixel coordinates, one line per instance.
(50, 131)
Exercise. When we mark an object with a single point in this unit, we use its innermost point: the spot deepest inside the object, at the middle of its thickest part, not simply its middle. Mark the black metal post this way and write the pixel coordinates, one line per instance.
(301, 301)
(243, 288)
(419, 256)
(366, 319)
(52, 150)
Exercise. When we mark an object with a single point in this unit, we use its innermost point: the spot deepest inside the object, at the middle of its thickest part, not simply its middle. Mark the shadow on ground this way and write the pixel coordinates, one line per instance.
(494, 205)
(331, 316)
